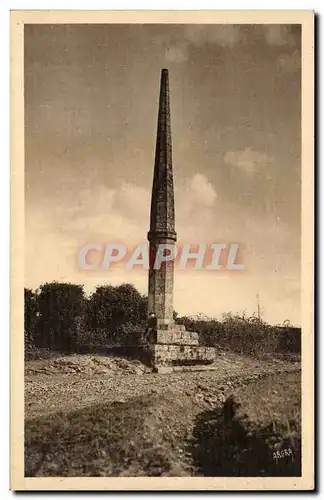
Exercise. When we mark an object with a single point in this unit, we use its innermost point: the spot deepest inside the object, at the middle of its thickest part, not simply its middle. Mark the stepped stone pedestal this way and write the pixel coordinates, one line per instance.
(175, 349)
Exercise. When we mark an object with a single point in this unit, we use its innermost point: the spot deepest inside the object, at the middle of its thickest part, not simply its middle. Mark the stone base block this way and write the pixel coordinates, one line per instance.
(177, 337)
(184, 356)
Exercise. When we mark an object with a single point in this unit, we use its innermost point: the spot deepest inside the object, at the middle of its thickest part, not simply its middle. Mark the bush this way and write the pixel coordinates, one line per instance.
(243, 334)
(61, 308)
(115, 314)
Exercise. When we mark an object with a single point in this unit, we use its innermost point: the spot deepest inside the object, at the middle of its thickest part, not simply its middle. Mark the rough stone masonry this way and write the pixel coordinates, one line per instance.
(173, 348)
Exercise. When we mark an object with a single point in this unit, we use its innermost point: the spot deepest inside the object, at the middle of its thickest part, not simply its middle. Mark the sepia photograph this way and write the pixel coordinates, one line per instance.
(162, 250)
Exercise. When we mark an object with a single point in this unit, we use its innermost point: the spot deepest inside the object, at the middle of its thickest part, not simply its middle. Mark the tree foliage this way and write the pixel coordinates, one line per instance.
(60, 317)
(113, 313)
(61, 308)
(30, 314)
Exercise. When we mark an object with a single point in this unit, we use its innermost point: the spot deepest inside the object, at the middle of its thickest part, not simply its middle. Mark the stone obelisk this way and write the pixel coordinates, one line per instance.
(173, 347)
(162, 221)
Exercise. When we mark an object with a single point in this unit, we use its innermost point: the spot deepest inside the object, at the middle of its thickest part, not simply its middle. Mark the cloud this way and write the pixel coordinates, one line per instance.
(248, 160)
(278, 34)
(88, 200)
(195, 202)
(115, 215)
(225, 35)
(202, 191)
(133, 201)
(103, 215)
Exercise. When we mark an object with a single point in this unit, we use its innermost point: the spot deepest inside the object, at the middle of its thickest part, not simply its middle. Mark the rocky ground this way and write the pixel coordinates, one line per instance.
(97, 415)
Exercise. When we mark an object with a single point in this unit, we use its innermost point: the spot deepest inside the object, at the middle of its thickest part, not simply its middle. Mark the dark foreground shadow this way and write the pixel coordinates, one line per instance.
(115, 439)
(227, 445)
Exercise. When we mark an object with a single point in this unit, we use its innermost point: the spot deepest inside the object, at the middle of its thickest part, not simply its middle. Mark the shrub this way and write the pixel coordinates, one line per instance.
(114, 314)
(243, 334)
(61, 308)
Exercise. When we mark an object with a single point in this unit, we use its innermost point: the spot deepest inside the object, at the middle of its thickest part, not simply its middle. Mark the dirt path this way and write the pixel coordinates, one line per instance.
(74, 382)
(109, 417)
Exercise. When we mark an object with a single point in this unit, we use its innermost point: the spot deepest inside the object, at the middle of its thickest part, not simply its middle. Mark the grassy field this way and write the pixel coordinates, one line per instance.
(100, 416)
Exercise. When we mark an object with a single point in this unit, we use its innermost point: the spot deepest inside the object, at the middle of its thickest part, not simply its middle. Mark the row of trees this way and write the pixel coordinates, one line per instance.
(60, 317)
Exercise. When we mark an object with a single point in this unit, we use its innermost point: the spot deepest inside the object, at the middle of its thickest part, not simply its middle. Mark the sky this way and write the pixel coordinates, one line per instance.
(91, 103)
